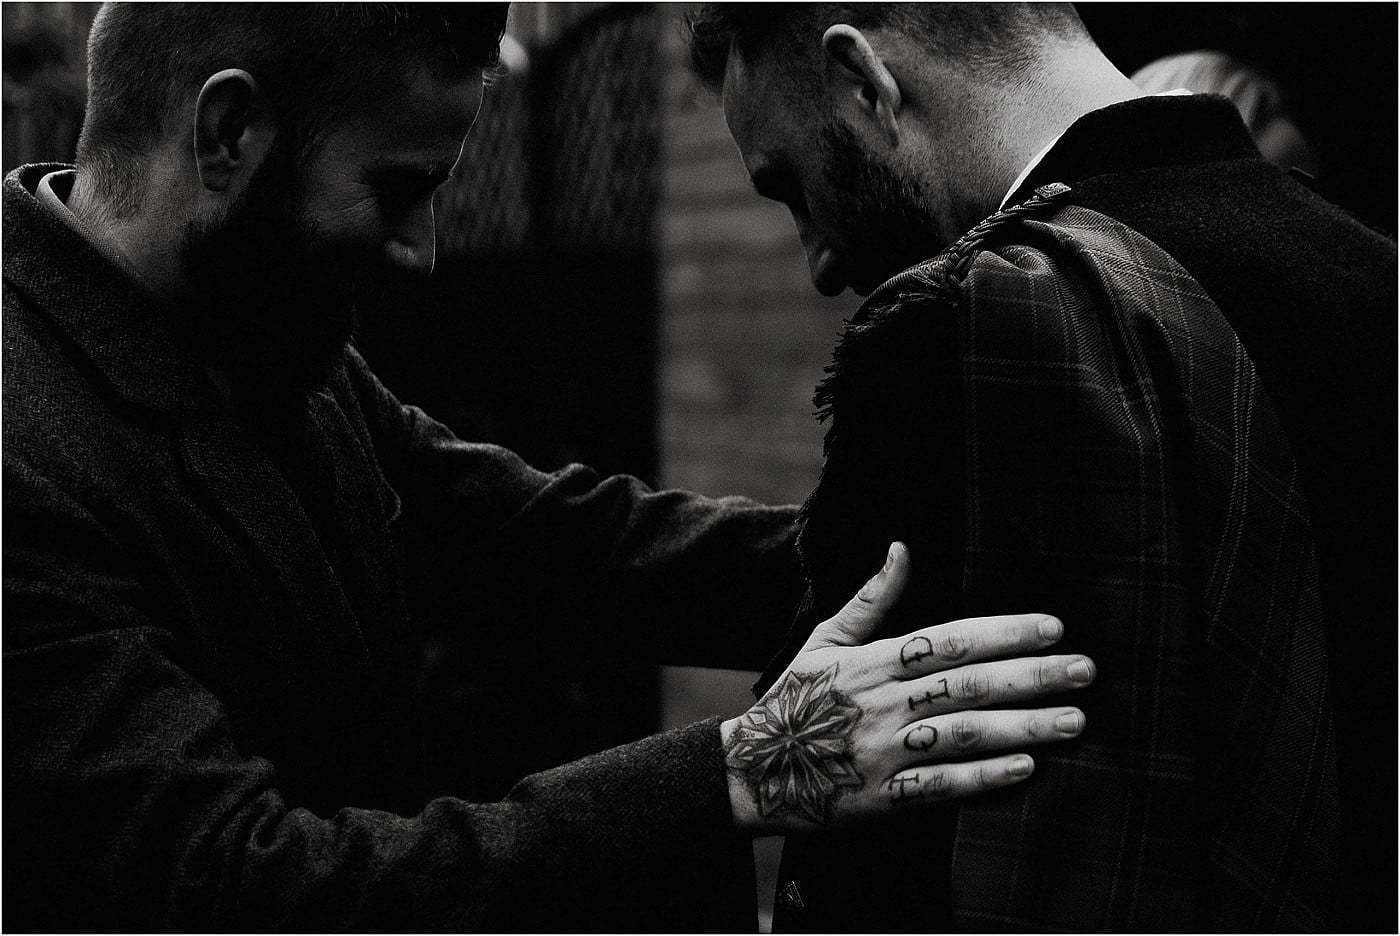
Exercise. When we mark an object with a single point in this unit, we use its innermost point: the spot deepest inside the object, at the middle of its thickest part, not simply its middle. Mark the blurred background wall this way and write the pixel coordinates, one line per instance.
(610, 290)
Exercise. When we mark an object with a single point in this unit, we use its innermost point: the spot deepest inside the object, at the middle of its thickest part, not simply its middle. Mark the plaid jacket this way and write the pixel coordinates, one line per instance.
(1056, 417)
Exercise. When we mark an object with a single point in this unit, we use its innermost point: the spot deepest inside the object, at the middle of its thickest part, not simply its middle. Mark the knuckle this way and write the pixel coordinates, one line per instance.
(867, 596)
(1044, 678)
(841, 628)
(1037, 727)
(952, 647)
(966, 733)
(973, 688)
(937, 783)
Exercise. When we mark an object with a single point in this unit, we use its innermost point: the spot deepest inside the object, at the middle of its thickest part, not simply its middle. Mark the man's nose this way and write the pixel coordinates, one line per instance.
(412, 245)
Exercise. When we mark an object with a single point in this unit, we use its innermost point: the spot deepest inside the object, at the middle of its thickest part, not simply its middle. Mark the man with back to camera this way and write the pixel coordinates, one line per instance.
(210, 504)
(1154, 387)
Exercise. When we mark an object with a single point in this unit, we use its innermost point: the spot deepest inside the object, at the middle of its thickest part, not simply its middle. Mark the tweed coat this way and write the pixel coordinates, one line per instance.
(208, 692)
(1092, 405)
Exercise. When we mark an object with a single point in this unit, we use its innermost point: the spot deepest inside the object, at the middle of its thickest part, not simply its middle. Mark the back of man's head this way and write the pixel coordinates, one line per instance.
(148, 61)
(991, 40)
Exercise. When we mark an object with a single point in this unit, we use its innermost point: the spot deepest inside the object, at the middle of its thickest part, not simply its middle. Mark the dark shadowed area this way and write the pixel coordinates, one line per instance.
(610, 290)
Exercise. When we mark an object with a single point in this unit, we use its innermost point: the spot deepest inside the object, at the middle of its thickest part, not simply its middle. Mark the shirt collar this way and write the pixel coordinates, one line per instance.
(1035, 160)
(53, 191)
(48, 192)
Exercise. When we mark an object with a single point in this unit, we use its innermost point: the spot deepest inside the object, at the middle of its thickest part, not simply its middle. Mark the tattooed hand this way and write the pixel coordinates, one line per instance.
(853, 729)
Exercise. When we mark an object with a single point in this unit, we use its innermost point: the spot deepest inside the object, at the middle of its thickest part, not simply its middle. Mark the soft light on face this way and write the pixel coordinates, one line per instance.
(370, 183)
(860, 220)
(774, 140)
(276, 287)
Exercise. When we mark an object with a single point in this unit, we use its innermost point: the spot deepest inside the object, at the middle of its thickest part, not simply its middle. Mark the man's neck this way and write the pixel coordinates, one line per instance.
(117, 241)
(138, 243)
(1075, 81)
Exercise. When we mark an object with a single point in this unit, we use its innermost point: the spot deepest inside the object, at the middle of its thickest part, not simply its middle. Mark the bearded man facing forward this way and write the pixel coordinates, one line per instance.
(1155, 388)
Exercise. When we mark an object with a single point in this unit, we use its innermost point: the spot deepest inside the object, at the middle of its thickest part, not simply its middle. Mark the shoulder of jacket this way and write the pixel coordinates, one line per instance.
(61, 419)
(940, 277)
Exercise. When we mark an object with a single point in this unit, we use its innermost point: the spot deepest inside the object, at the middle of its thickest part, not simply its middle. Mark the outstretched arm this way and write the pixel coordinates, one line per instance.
(133, 804)
(670, 576)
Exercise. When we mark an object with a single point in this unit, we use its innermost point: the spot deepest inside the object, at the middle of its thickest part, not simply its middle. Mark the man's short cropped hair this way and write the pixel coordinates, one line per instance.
(985, 37)
(148, 61)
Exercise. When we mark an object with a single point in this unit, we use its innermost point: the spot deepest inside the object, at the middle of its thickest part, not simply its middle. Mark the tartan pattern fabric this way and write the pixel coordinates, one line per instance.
(1057, 418)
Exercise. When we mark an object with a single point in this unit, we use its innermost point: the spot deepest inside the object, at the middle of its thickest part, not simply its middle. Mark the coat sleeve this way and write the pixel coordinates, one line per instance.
(667, 575)
(128, 804)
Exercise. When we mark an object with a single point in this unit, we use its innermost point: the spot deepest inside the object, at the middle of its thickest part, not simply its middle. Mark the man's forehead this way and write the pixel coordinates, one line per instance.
(767, 115)
(417, 126)
(749, 96)
(423, 99)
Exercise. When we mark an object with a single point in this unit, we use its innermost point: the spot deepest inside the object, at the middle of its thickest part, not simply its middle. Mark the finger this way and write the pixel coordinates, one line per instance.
(933, 783)
(996, 683)
(858, 620)
(943, 646)
(972, 733)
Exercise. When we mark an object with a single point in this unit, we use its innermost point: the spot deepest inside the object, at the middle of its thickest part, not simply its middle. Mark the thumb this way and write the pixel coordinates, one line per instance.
(858, 621)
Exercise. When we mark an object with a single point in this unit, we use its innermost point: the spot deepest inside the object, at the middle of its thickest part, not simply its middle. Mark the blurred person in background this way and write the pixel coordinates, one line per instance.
(1111, 361)
(1256, 96)
(211, 504)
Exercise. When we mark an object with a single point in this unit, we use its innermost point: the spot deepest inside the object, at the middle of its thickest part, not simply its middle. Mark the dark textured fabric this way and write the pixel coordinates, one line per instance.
(1312, 294)
(1081, 427)
(208, 715)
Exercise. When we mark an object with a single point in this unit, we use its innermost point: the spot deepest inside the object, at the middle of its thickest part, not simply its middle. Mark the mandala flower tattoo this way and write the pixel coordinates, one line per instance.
(793, 748)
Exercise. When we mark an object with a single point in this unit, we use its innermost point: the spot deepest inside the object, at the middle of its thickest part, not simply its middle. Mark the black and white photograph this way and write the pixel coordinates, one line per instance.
(699, 467)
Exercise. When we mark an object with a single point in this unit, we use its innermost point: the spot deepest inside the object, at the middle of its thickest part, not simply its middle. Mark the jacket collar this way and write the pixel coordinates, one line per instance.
(124, 332)
(123, 329)
(1144, 133)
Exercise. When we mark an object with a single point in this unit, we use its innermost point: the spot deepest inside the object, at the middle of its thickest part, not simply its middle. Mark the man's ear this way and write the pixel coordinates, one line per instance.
(231, 137)
(853, 64)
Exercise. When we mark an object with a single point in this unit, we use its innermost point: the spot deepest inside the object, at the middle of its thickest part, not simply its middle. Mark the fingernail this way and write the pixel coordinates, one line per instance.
(1051, 629)
(889, 557)
(1070, 723)
(1081, 671)
(1020, 766)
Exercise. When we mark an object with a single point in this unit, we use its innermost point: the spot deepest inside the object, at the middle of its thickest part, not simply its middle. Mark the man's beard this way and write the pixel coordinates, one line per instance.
(890, 222)
(268, 300)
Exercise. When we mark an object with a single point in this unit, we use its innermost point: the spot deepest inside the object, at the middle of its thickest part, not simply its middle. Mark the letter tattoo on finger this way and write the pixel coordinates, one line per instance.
(915, 649)
(899, 792)
(921, 738)
(928, 698)
(915, 786)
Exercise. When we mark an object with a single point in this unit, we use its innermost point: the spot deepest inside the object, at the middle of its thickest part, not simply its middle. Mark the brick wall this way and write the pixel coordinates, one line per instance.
(743, 340)
(744, 335)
